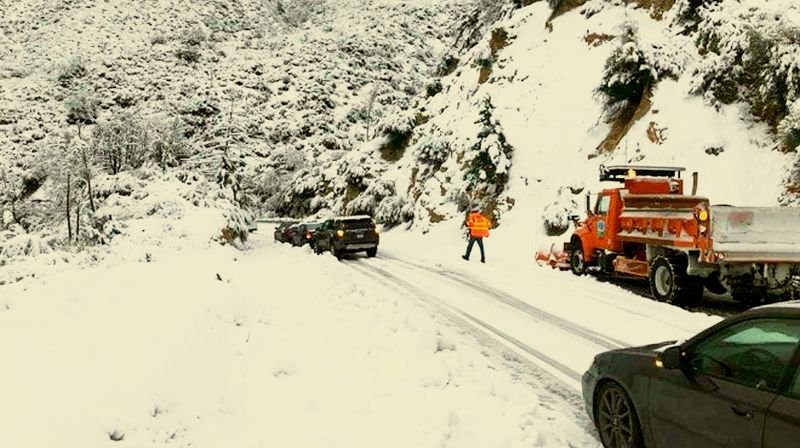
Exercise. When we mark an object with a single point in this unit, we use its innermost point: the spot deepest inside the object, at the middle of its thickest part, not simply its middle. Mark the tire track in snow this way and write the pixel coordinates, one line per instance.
(461, 278)
(538, 314)
(564, 396)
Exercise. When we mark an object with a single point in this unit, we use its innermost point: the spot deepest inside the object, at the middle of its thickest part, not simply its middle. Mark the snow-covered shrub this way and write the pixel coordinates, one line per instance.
(432, 149)
(296, 12)
(396, 128)
(689, 10)
(752, 54)
(433, 88)
(169, 144)
(123, 142)
(24, 245)
(636, 65)
(448, 64)
(123, 184)
(81, 107)
(299, 190)
(394, 210)
(789, 128)
(70, 71)
(198, 111)
(367, 202)
(555, 217)
(158, 39)
(188, 54)
(193, 36)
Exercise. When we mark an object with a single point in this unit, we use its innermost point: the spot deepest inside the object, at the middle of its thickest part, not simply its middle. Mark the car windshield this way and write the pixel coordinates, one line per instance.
(365, 223)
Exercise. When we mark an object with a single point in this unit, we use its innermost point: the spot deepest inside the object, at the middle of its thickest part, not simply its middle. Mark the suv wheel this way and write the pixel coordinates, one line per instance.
(372, 252)
(335, 252)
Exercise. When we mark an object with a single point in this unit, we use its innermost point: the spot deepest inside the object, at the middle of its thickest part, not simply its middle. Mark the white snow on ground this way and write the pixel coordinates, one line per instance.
(276, 346)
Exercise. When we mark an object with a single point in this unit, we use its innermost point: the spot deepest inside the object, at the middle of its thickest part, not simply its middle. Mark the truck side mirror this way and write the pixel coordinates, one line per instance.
(671, 357)
(588, 204)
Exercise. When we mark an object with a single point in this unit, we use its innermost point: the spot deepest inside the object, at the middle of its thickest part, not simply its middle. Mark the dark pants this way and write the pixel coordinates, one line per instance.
(473, 240)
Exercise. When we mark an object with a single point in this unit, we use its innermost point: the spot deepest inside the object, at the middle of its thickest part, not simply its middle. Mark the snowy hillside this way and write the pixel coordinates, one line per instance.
(273, 87)
(545, 86)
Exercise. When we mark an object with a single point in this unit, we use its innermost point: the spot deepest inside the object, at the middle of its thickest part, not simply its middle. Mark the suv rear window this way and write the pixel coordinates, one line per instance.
(358, 224)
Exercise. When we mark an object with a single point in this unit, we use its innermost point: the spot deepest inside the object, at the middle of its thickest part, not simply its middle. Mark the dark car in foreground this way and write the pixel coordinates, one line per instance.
(735, 384)
(347, 234)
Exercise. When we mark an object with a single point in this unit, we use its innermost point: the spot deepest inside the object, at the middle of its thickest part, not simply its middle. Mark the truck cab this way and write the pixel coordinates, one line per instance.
(596, 241)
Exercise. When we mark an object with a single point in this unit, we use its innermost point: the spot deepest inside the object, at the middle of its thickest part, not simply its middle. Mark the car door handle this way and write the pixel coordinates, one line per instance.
(742, 411)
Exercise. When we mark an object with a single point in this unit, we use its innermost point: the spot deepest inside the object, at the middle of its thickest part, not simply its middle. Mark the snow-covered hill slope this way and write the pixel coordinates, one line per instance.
(300, 82)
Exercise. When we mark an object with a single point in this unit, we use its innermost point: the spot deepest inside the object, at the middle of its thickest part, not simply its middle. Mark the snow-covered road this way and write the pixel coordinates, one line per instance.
(551, 345)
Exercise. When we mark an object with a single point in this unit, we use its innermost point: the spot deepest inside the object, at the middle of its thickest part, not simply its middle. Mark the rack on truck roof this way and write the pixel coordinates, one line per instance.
(618, 173)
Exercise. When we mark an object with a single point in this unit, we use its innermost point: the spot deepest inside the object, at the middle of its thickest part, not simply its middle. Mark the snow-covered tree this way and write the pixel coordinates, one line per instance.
(636, 65)
(489, 157)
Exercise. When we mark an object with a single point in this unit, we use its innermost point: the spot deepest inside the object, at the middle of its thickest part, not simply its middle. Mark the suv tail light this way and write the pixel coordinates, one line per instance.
(340, 233)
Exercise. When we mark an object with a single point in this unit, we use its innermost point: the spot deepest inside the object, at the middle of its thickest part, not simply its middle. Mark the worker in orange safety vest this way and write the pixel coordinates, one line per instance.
(478, 229)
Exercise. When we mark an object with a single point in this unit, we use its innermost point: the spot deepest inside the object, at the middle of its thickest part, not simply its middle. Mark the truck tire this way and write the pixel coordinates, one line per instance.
(576, 262)
(670, 283)
(372, 252)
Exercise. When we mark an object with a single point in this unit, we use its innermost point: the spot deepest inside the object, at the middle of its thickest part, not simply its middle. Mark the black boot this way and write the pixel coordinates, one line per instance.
(465, 257)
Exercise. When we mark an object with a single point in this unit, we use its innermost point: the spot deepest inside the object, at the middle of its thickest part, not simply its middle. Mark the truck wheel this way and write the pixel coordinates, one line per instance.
(576, 263)
(372, 252)
(670, 283)
(335, 252)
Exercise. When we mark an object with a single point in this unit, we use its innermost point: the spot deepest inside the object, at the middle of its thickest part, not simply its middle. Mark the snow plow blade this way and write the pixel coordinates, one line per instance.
(556, 259)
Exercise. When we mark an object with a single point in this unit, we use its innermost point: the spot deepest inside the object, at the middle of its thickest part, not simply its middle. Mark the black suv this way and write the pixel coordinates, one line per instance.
(347, 234)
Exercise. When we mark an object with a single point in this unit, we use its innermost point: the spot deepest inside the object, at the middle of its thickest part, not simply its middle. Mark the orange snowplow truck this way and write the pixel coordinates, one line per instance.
(648, 228)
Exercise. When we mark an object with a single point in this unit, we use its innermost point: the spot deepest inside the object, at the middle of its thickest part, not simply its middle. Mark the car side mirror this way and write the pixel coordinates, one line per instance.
(671, 357)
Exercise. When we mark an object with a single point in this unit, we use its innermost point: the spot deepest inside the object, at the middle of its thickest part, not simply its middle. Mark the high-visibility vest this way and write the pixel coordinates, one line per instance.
(478, 225)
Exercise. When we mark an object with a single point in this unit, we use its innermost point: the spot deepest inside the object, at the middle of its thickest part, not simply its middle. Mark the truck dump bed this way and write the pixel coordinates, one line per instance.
(756, 234)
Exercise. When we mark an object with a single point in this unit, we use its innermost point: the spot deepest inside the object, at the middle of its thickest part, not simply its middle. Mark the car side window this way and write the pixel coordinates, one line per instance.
(754, 353)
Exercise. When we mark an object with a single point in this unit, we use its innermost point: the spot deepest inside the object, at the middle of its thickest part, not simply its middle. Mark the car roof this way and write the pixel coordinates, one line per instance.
(788, 305)
(353, 218)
